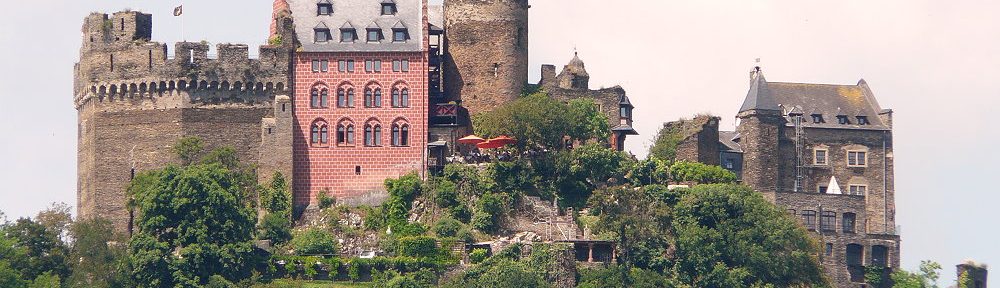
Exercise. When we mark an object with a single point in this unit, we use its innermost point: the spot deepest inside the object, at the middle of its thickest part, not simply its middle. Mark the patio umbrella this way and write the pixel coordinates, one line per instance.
(503, 140)
(471, 139)
(489, 145)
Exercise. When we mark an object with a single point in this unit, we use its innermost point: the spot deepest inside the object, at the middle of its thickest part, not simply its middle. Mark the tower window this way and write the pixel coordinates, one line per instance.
(324, 9)
(818, 118)
(822, 189)
(388, 8)
(400, 35)
(348, 35)
(863, 120)
(829, 249)
(322, 35)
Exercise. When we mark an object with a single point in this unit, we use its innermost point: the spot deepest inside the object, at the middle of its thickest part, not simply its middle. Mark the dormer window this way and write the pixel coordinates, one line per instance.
(400, 35)
(818, 118)
(842, 119)
(324, 8)
(322, 35)
(389, 8)
(348, 35)
(374, 35)
(863, 120)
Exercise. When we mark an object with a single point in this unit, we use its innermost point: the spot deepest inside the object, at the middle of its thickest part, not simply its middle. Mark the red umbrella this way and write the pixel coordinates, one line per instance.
(489, 145)
(471, 139)
(503, 140)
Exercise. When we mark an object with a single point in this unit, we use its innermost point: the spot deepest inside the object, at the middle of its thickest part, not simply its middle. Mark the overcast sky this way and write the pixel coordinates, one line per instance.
(935, 63)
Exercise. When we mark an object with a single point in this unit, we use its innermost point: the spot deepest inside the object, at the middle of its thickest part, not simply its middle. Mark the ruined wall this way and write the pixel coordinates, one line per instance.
(134, 102)
(700, 139)
(486, 63)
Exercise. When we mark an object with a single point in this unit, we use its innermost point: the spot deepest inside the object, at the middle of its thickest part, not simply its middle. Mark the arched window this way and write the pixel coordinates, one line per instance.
(324, 98)
(324, 135)
(320, 133)
(341, 98)
(350, 134)
(350, 97)
(404, 138)
(369, 138)
(405, 98)
(378, 135)
(369, 98)
(395, 97)
(315, 134)
(377, 102)
(395, 135)
(314, 98)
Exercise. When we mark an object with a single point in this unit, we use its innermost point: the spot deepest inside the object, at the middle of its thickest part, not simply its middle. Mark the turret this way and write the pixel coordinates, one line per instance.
(760, 122)
(487, 58)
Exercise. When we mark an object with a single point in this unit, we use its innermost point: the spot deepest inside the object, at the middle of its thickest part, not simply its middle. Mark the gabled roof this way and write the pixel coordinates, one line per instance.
(728, 142)
(759, 97)
(360, 14)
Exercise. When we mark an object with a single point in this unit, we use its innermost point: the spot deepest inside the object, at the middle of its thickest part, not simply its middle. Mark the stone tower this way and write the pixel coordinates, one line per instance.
(487, 51)
(760, 119)
(134, 101)
(976, 273)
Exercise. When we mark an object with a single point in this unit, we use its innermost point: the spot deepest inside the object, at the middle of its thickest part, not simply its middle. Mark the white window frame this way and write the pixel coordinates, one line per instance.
(854, 188)
(859, 161)
(826, 156)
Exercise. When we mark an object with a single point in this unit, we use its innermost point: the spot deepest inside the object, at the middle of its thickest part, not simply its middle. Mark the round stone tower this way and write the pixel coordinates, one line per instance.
(487, 52)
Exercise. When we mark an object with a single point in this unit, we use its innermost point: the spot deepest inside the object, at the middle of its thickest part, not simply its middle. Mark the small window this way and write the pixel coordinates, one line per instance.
(828, 221)
(404, 99)
(377, 102)
(315, 66)
(857, 159)
(348, 35)
(324, 65)
(357, 170)
(350, 66)
(406, 65)
(829, 249)
(818, 118)
(378, 66)
(314, 97)
(388, 8)
(369, 98)
(342, 98)
(859, 190)
(369, 66)
(842, 119)
(374, 35)
(729, 163)
(863, 120)
(396, 66)
(399, 35)
(342, 66)
(819, 157)
(822, 189)
(848, 221)
(322, 35)
(324, 9)
(809, 219)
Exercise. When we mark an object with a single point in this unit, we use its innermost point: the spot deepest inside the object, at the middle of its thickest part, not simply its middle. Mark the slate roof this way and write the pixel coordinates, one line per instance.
(828, 100)
(435, 17)
(727, 140)
(358, 14)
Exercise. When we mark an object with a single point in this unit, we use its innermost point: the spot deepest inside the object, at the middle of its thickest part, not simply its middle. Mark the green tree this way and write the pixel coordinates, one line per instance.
(98, 255)
(39, 249)
(189, 149)
(730, 236)
(926, 278)
(587, 121)
(640, 224)
(192, 223)
(539, 121)
(700, 173)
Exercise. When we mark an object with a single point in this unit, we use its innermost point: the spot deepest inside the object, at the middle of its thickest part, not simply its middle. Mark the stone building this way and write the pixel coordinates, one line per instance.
(573, 82)
(698, 139)
(134, 101)
(361, 96)
(824, 152)
(976, 272)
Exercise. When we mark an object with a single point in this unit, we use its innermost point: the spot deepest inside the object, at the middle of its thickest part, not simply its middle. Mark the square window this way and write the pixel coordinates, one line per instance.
(388, 8)
(863, 120)
(842, 119)
(324, 9)
(348, 35)
(322, 35)
(374, 35)
(859, 190)
(399, 35)
(822, 189)
(818, 118)
(857, 159)
(819, 157)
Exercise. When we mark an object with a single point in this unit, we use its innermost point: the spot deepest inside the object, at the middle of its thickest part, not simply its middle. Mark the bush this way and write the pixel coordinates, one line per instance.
(701, 173)
(446, 194)
(405, 188)
(466, 236)
(217, 281)
(417, 246)
(484, 222)
(314, 241)
(277, 228)
(478, 255)
(325, 201)
(461, 212)
(447, 227)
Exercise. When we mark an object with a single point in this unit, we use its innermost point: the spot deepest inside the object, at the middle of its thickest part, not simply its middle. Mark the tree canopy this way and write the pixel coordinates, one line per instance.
(539, 121)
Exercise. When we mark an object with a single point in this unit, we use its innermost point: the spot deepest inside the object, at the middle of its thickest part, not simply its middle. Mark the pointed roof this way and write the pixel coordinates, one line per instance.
(759, 97)
(373, 25)
(576, 66)
(624, 101)
(833, 187)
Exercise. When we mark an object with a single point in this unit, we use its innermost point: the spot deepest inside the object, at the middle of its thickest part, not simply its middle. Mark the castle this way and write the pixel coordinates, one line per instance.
(350, 93)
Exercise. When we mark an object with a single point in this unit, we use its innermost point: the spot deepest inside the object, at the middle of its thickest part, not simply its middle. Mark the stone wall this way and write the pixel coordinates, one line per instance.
(134, 102)
(700, 139)
(486, 64)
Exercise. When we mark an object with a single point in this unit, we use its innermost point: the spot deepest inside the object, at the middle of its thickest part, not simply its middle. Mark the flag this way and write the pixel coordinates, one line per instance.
(179, 10)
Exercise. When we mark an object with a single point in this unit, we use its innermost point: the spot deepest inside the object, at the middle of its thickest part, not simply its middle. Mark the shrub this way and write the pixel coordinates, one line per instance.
(701, 173)
(484, 222)
(217, 281)
(417, 246)
(446, 194)
(447, 227)
(325, 201)
(460, 212)
(478, 255)
(405, 188)
(314, 241)
(277, 228)
(466, 236)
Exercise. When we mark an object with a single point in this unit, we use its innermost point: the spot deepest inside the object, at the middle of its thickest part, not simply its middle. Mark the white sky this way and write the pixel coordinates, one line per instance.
(935, 63)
